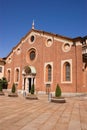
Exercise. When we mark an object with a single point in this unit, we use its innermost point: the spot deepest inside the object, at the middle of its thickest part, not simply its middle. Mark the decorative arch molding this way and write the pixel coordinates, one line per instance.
(48, 72)
(28, 77)
(17, 74)
(29, 70)
(31, 55)
(66, 71)
(9, 75)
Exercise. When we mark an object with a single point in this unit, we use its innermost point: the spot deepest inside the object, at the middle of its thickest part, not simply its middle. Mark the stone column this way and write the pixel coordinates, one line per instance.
(22, 83)
(27, 85)
(31, 82)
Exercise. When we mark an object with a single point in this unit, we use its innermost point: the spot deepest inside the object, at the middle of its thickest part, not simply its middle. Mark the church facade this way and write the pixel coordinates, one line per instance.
(45, 60)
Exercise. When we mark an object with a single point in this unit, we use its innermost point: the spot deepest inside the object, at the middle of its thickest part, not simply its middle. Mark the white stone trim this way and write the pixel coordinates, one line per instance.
(18, 51)
(15, 73)
(78, 43)
(32, 34)
(28, 37)
(62, 63)
(63, 40)
(57, 39)
(51, 42)
(48, 63)
(42, 34)
(7, 75)
(27, 55)
(68, 49)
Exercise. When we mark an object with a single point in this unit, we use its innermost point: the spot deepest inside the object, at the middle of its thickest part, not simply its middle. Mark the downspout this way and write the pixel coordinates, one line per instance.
(76, 65)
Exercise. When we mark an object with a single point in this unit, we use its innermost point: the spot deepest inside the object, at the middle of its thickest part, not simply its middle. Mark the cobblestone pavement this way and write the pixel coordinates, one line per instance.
(18, 113)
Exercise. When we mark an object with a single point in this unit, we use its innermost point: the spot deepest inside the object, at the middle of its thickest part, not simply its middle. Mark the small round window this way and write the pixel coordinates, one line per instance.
(9, 60)
(49, 42)
(18, 51)
(32, 55)
(32, 38)
(66, 47)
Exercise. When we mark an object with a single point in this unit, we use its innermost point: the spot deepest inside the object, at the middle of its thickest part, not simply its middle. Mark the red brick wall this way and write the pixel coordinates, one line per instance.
(45, 54)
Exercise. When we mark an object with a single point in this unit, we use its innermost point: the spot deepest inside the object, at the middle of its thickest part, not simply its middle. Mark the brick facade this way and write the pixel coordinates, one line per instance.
(47, 55)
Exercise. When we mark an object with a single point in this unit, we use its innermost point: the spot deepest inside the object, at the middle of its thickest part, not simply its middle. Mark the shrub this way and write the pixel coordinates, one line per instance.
(4, 82)
(0, 87)
(13, 88)
(32, 89)
(58, 91)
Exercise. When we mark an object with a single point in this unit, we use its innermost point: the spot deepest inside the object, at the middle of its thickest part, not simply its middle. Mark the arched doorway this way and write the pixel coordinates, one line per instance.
(29, 78)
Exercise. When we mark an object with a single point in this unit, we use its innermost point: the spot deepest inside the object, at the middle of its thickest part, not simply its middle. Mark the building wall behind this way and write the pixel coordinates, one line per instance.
(2, 73)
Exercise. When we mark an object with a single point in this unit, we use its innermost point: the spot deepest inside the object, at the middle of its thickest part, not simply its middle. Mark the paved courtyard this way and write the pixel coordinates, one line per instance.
(22, 114)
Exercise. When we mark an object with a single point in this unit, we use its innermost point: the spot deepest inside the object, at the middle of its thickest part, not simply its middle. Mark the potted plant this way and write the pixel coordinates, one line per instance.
(58, 91)
(13, 92)
(58, 98)
(31, 95)
(1, 89)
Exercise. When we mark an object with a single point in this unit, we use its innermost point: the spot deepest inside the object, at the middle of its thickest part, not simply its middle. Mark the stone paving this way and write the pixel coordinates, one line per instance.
(18, 113)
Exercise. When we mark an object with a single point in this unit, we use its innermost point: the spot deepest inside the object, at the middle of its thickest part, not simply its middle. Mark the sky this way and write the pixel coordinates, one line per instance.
(63, 17)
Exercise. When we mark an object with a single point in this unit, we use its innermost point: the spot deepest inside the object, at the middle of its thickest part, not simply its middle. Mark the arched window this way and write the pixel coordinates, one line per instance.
(32, 55)
(17, 75)
(8, 75)
(66, 72)
(48, 73)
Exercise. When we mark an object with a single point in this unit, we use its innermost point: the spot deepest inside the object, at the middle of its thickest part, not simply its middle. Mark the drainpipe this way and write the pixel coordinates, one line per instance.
(76, 65)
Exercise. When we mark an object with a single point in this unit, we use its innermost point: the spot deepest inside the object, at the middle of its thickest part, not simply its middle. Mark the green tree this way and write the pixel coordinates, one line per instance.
(13, 88)
(32, 89)
(58, 91)
(4, 83)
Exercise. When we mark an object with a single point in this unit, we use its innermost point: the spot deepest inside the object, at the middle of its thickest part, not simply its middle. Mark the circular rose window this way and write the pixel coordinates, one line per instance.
(31, 55)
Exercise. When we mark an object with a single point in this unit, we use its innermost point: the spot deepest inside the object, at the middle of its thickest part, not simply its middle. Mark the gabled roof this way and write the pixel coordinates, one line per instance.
(47, 33)
(39, 31)
(53, 34)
